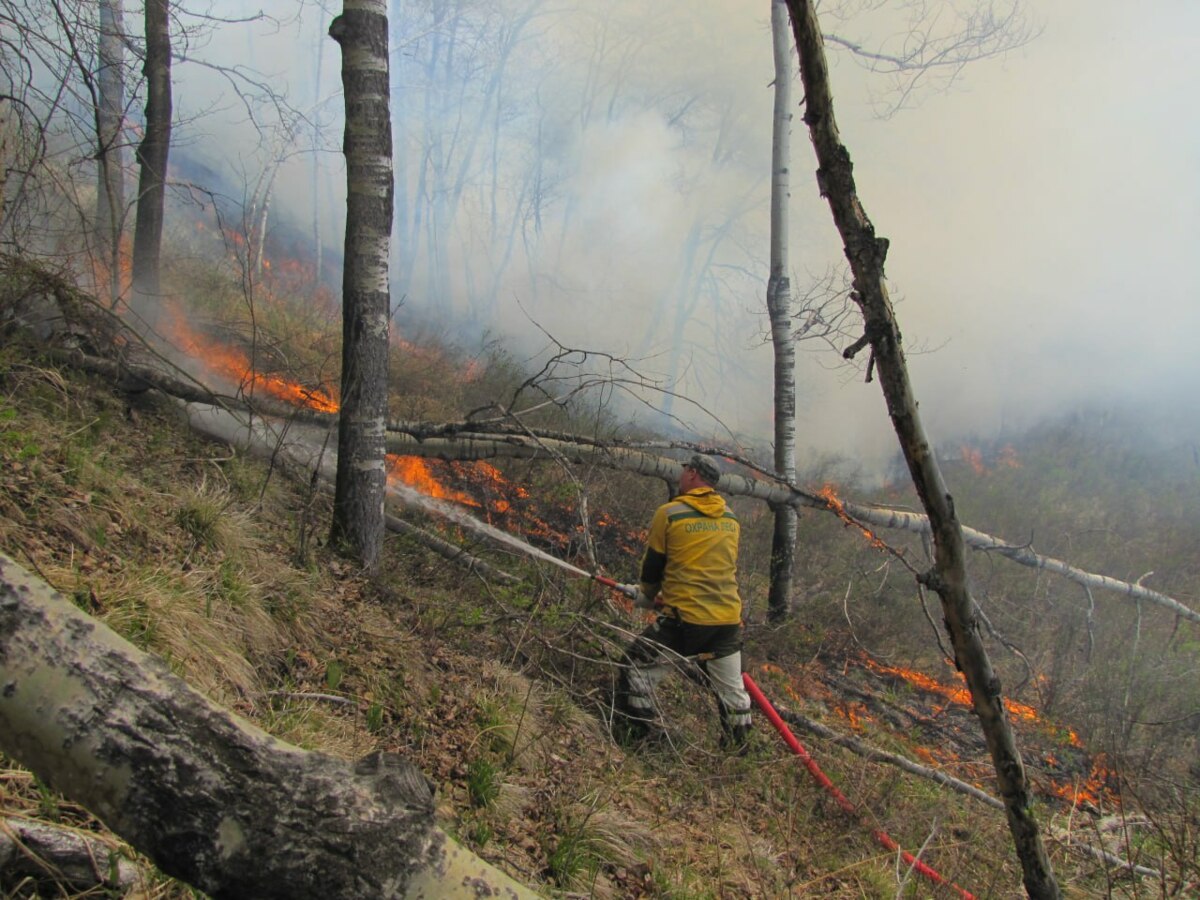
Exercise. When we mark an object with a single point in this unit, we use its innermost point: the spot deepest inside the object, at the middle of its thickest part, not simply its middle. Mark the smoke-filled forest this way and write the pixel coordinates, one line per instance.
(348, 352)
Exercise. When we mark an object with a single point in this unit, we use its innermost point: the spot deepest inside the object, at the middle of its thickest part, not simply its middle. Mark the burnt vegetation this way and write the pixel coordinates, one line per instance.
(500, 692)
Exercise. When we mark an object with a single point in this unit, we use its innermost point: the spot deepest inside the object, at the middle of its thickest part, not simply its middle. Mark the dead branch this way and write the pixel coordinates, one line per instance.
(1078, 844)
(304, 455)
(866, 253)
(64, 856)
(876, 755)
(458, 443)
(452, 552)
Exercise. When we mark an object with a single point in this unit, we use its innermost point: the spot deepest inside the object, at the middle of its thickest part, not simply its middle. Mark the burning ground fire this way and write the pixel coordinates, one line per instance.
(956, 693)
(478, 484)
(828, 493)
(1069, 773)
(1006, 458)
(235, 366)
(485, 489)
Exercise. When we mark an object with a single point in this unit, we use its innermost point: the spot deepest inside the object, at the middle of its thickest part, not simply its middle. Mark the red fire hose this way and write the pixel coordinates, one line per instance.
(822, 779)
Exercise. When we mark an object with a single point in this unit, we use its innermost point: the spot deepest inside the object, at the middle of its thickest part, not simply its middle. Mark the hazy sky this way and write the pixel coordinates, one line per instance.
(1042, 215)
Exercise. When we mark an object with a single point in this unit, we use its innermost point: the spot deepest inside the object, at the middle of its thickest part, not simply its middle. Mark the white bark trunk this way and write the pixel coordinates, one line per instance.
(415, 441)
(210, 798)
(779, 309)
(110, 154)
(62, 857)
(362, 32)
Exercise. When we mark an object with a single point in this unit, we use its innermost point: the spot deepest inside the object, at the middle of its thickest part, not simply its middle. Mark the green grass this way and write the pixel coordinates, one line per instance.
(483, 782)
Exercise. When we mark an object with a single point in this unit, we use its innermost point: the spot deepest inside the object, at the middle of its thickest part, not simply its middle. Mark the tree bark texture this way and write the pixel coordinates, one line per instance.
(63, 858)
(153, 151)
(779, 310)
(866, 253)
(110, 155)
(362, 32)
(210, 798)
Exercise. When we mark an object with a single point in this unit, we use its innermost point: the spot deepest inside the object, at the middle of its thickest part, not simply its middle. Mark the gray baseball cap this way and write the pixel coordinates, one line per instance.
(705, 467)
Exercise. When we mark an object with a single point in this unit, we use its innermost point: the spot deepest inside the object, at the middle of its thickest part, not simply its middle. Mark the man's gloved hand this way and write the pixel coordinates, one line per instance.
(635, 593)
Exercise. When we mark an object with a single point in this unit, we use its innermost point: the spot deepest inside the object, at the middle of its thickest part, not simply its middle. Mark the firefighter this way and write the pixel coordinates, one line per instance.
(689, 576)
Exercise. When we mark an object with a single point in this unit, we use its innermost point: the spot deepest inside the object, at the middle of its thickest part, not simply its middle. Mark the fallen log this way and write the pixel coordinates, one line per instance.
(892, 759)
(452, 552)
(67, 858)
(306, 453)
(466, 446)
(207, 796)
(1069, 839)
(131, 376)
(466, 441)
(1084, 848)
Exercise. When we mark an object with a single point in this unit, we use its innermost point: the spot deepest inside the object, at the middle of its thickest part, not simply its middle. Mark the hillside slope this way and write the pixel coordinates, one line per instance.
(499, 693)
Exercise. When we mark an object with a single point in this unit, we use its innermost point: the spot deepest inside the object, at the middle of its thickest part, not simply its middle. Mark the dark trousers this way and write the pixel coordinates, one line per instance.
(716, 649)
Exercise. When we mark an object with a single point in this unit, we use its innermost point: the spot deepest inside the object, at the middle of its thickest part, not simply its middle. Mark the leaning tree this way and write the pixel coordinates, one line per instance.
(866, 253)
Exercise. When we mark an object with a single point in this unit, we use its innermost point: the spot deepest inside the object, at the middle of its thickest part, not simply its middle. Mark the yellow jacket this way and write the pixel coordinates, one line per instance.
(691, 556)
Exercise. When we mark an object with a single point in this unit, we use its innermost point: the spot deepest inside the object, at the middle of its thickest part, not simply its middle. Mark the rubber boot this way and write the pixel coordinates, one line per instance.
(736, 739)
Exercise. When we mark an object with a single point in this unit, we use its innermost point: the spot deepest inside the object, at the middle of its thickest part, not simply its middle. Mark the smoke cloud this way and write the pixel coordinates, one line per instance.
(603, 175)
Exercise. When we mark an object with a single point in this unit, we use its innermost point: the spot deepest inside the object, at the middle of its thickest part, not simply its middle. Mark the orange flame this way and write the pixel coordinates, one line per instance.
(418, 473)
(235, 365)
(497, 496)
(1095, 789)
(1006, 458)
(828, 493)
(973, 457)
(954, 693)
(101, 271)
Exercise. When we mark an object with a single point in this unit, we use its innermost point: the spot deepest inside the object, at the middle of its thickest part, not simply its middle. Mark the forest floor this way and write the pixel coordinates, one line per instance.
(500, 694)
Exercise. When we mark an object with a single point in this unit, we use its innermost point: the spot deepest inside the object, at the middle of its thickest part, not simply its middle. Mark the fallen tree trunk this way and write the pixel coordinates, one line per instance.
(452, 552)
(631, 459)
(874, 754)
(892, 759)
(131, 376)
(465, 441)
(66, 858)
(210, 798)
(307, 454)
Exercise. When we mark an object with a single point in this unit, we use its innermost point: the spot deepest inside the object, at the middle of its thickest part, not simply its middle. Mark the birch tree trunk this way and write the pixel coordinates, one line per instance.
(866, 254)
(362, 32)
(110, 156)
(779, 309)
(153, 151)
(315, 162)
(211, 799)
